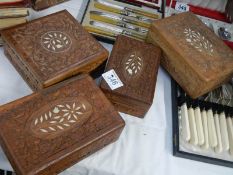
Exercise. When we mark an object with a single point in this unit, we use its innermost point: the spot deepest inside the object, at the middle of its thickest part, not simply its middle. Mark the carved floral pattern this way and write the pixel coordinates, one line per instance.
(198, 41)
(61, 117)
(56, 41)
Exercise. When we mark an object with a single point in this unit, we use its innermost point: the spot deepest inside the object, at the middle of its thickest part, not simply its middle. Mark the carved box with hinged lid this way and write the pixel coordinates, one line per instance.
(54, 128)
(48, 50)
(136, 64)
(194, 56)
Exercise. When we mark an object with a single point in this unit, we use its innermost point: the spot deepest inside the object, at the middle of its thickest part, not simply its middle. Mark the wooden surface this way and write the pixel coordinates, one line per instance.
(53, 48)
(49, 131)
(194, 56)
(136, 63)
(42, 4)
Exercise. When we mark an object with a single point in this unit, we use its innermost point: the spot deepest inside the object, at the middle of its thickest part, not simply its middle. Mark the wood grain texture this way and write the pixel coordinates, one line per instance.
(53, 48)
(50, 130)
(136, 63)
(42, 4)
(194, 56)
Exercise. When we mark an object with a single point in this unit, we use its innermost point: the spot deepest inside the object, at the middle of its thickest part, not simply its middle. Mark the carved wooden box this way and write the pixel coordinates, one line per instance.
(136, 64)
(194, 56)
(54, 128)
(50, 49)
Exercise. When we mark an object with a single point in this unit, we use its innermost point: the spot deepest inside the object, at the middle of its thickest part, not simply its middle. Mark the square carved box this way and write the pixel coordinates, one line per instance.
(50, 49)
(194, 56)
(136, 63)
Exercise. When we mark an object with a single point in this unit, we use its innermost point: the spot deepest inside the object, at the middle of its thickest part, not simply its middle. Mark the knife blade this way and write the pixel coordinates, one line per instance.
(118, 21)
(104, 5)
(117, 31)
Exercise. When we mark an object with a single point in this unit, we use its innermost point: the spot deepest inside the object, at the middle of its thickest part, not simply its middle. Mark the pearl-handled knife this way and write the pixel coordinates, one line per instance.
(116, 30)
(119, 21)
(107, 6)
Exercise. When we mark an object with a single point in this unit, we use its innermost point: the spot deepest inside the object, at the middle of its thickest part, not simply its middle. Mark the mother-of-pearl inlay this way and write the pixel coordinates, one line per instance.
(56, 41)
(133, 64)
(198, 41)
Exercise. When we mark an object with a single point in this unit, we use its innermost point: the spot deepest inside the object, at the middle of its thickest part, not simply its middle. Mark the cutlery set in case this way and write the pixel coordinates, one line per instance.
(108, 18)
(203, 128)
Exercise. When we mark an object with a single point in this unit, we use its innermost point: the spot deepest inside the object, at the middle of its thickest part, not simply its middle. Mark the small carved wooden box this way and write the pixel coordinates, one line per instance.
(136, 64)
(50, 130)
(50, 49)
(194, 56)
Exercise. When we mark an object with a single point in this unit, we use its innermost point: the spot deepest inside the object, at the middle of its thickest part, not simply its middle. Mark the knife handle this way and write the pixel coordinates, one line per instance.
(144, 13)
(193, 127)
(138, 23)
(133, 34)
(219, 147)
(99, 31)
(224, 132)
(131, 27)
(185, 123)
(230, 133)
(211, 129)
(205, 127)
(138, 17)
(200, 132)
(106, 8)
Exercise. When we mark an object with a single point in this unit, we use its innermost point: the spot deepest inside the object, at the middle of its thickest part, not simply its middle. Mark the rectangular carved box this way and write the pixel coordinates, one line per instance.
(50, 49)
(136, 64)
(194, 56)
(52, 129)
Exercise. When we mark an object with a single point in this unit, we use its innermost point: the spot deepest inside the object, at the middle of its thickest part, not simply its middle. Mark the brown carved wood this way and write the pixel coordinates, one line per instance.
(194, 56)
(51, 130)
(51, 49)
(42, 4)
(136, 63)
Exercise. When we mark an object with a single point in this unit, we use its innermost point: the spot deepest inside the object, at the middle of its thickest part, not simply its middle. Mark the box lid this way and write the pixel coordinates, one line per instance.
(54, 47)
(136, 64)
(185, 38)
(50, 130)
